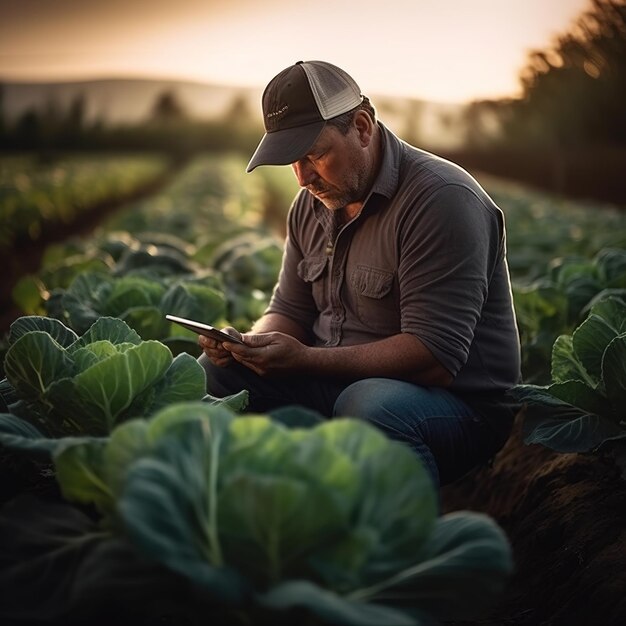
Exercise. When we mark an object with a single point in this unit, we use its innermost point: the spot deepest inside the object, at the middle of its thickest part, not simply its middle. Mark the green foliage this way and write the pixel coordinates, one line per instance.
(542, 227)
(86, 385)
(139, 301)
(583, 407)
(203, 232)
(34, 196)
(249, 261)
(273, 523)
(557, 302)
(122, 276)
(210, 200)
(563, 256)
(249, 265)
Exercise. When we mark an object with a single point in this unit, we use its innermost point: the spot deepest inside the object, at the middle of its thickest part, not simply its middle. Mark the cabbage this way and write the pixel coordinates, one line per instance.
(334, 523)
(584, 407)
(71, 385)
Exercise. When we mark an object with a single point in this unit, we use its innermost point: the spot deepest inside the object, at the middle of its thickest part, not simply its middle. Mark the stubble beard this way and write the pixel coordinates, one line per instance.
(352, 190)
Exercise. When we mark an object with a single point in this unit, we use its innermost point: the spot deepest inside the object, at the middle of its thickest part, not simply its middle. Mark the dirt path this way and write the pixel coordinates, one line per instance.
(565, 515)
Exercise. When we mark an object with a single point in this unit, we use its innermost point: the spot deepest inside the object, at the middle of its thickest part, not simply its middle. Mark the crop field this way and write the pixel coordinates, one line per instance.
(140, 496)
(35, 194)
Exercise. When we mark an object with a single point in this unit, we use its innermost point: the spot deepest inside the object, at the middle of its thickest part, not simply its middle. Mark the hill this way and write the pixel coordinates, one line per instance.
(116, 101)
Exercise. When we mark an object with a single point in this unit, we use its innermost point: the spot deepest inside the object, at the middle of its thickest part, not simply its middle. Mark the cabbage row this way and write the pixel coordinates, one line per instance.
(173, 504)
(197, 250)
(568, 265)
(34, 195)
(201, 249)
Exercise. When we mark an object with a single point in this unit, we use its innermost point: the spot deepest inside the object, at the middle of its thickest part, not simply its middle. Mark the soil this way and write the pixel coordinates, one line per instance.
(565, 516)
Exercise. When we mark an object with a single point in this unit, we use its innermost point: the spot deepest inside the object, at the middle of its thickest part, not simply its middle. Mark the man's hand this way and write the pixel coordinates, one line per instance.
(269, 354)
(215, 350)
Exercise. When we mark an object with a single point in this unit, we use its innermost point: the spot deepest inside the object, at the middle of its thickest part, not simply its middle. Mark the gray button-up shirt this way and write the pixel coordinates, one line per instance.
(425, 256)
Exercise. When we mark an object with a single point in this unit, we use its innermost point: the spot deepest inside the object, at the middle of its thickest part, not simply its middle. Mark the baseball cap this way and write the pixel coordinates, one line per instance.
(296, 104)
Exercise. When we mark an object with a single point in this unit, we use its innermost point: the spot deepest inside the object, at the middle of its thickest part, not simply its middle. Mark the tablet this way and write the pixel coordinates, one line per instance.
(203, 329)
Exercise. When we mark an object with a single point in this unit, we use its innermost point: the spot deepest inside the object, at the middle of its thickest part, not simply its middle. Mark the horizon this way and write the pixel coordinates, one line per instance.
(187, 81)
(457, 51)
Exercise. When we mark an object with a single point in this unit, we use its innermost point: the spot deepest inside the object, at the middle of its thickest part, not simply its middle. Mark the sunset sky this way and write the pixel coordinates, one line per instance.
(451, 51)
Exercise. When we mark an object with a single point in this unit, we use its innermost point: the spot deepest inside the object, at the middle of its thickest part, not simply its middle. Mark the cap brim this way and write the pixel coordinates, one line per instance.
(283, 147)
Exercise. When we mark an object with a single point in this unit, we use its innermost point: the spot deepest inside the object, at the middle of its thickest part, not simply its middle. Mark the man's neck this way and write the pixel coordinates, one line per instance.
(353, 209)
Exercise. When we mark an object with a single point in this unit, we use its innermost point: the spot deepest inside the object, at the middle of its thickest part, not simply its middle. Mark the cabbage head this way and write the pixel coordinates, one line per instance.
(70, 385)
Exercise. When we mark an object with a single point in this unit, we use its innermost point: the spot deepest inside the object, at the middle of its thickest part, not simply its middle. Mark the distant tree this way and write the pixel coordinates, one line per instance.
(453, 127)
(3, 126)
(239, 113)
(28, 129)
(574, 92)
(168, 108)
(387, 107)
(52, 115)
(483, 121)
(76, 112)
(413, 122)
(71, 133)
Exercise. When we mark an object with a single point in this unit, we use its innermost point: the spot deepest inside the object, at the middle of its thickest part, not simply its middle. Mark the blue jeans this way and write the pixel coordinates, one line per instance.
(446, 433)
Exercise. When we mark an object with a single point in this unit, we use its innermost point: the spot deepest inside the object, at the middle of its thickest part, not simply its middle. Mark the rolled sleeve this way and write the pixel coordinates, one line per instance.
(449, 249)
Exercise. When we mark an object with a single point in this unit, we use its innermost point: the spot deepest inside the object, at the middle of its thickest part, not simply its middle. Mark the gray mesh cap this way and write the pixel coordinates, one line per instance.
(296, 104)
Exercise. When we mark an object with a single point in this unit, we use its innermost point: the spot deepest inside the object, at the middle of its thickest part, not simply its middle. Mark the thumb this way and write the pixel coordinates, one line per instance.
(258, 340)
(233, 332)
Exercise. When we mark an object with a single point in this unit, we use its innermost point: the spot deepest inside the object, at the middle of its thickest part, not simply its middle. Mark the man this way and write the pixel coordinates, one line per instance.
(393, 302)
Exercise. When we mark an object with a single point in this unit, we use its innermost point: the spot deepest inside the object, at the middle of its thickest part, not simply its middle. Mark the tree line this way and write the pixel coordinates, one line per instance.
(566, 132)
(167, 127)
(573, 91)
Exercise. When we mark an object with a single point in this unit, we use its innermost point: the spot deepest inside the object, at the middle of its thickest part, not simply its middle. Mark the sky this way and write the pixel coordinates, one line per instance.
(444, 51)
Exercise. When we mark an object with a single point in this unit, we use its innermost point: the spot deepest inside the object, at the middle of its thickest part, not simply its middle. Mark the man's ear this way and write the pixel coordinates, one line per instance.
(365, 127)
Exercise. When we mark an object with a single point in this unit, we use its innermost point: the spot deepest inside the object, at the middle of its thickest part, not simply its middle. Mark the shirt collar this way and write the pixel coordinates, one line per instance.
(386, 183)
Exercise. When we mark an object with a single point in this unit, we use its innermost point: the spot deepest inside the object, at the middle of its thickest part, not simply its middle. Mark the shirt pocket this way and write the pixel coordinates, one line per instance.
(376, 304)
(312, 270)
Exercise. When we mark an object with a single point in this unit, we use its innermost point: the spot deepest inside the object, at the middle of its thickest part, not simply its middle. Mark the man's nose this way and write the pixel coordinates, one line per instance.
(305, 172)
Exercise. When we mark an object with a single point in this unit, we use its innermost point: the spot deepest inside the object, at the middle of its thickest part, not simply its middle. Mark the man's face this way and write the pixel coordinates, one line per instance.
(336, 169)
